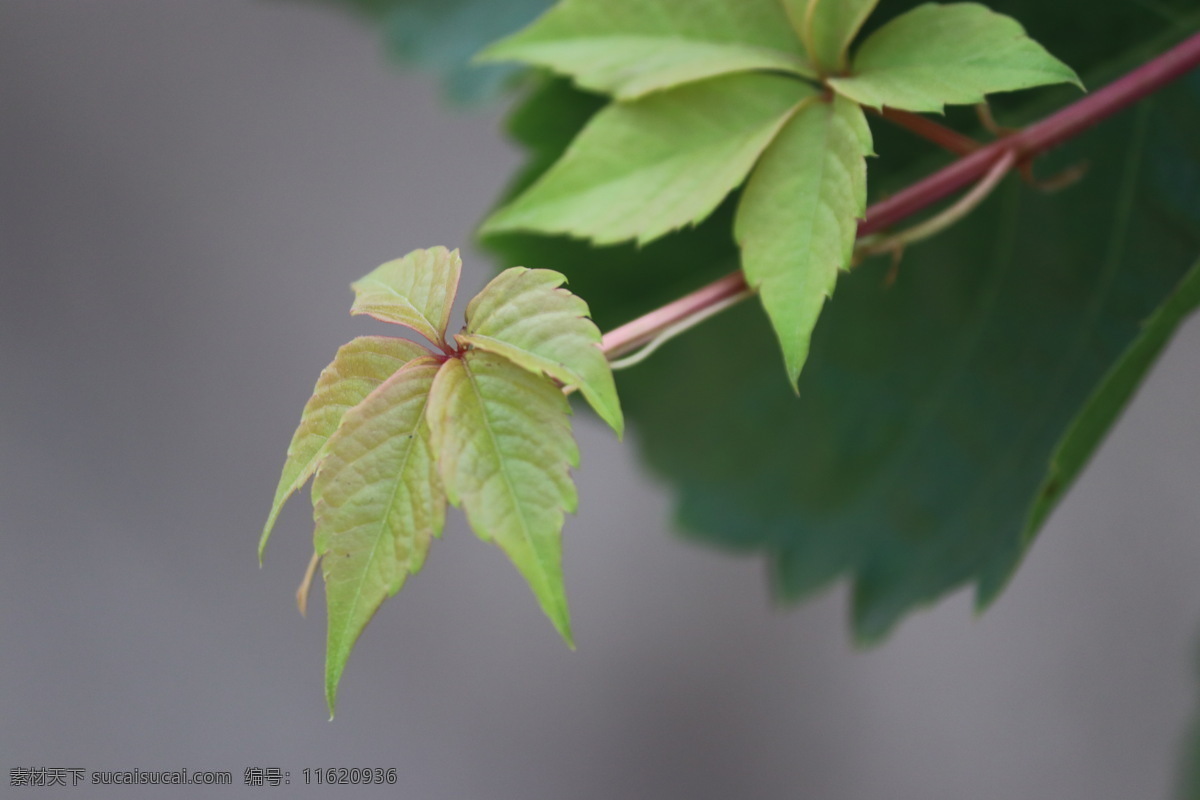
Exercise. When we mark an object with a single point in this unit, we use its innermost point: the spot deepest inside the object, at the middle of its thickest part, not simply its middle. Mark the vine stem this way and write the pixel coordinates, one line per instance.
(684, 325)
(893, 243)
(633, 335)
(935, 132)
(1021, 145)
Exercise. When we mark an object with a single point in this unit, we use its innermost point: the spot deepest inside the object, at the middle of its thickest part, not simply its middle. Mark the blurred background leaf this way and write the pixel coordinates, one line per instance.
(441, 36)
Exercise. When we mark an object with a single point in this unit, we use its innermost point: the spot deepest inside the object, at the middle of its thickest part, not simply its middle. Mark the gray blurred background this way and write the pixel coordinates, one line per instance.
(186, 189)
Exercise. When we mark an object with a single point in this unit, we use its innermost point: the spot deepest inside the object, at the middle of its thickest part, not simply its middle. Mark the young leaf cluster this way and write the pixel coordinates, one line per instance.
(394, 429)
(708, 95)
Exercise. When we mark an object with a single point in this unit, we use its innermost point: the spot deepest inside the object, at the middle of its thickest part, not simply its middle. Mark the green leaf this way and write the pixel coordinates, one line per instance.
(416, 291)
(359, 367)
(1110, 398)
(503, 438)
(931, 409)
(641, 169)
(630, 279)
(526, 317)
(827, 27)
(378, 503)
(799, 215)
(929, 412)
(948, 54)
(441, 36)
(629, 48)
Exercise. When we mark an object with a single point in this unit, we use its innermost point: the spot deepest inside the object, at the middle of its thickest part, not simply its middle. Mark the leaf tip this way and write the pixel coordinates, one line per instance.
(794, 364)
(989, 588)
(554, 605)
(491, 54)
(495, 222)
(567, 635)
(266, 534)
(609, 410)
(332, 679)
(867, 639)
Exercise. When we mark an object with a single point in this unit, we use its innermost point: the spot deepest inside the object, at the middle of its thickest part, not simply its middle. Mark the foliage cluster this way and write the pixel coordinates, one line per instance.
(394, 429)
(944, 407)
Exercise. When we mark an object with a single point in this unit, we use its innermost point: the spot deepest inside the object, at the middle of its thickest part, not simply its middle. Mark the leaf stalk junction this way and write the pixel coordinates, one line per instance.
(981, 165)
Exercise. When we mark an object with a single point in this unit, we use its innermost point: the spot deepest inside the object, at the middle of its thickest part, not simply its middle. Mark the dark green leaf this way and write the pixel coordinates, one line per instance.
(442, 36)
(930, 411)
(1105, 404)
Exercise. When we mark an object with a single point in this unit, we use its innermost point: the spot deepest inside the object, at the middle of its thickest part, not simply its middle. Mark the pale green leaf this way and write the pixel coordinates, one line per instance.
(827, 27)
(359, 367)
(525, 316)
(938, 55)
(641, 169)
(504, 445)
(415, 291)
(797, 219)
(378, 502)
(629, 48)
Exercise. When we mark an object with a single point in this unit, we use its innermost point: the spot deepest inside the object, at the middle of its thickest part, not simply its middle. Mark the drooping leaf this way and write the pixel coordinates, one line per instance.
(798, 218)
(628, 48)
(641, 169)
(938, 55)
(827, 27)
(359, 367)
(525, 316)
(504, 444)
(378, 503)
(929, 411)
(415, 291)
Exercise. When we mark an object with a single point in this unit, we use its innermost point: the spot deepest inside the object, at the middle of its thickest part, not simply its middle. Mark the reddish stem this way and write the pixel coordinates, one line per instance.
(935, 132)
(632, 335)
(1037, 138)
